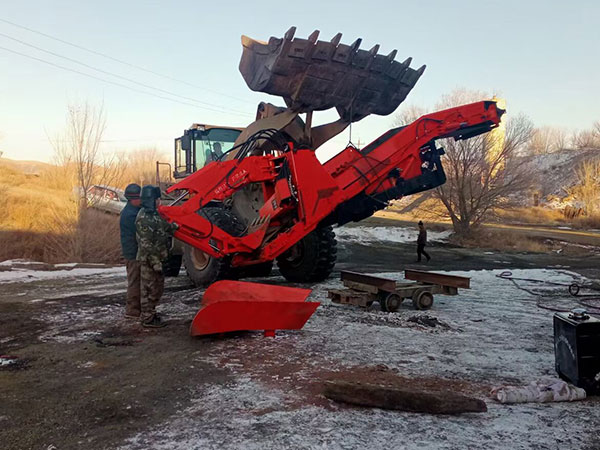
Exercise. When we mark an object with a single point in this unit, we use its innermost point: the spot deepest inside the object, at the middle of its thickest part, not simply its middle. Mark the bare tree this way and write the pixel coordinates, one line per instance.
(79, 145)
(481, 172)
(142, 165)
(547, 140)
(587, 139)
(587, 189)
(408, 114)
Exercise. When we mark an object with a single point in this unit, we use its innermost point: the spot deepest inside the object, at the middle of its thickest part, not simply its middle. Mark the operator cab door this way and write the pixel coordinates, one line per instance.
(183, 163)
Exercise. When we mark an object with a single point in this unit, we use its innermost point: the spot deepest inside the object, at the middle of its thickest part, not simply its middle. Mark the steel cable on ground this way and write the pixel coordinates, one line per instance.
(120, 61)
(543, 299)
(130, 80)
(110, 81)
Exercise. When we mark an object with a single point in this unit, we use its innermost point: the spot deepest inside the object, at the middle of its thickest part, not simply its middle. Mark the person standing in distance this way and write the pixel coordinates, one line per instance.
(153, 236)
(422, 242)
(129, 248)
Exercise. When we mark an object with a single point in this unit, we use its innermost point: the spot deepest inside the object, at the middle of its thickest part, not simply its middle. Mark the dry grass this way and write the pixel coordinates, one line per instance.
(531, 215)
(502, 241)
(587, 222)
(40, 220)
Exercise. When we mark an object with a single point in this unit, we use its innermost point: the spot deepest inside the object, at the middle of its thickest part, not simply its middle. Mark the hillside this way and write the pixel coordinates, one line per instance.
(40, 220)
(556, 172)
(27, 167)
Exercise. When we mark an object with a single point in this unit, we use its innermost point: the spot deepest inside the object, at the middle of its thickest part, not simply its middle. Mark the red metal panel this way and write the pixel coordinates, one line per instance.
(236, 305)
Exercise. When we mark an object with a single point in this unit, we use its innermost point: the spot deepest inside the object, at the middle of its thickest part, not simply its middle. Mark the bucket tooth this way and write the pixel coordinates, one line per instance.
(289, 34)
(421, 69)
(407, 62)
(336, 39)
(392, 55)
(374, 49)
(314, 36)
(354, 46)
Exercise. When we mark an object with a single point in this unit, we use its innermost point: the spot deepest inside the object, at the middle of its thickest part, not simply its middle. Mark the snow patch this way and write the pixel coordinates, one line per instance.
(27, 275)
(402, 235)
(7, 361)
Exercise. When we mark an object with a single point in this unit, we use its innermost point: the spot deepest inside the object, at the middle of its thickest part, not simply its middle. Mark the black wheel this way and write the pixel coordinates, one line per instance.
(202, 268)
(392, 302)
(311, 259)
(172, 266)
(254, 271)
(422, 300)
(382, 304)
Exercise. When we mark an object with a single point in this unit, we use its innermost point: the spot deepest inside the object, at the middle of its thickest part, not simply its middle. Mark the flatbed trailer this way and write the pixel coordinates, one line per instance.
(362, 289)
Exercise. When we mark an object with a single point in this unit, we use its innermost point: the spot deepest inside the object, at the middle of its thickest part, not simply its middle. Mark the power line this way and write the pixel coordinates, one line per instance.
(120, 61)
(108, 81)
(119, 76)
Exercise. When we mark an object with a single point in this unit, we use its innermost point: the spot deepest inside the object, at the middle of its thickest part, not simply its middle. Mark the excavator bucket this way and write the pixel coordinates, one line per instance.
(237, 306)
(314, 75)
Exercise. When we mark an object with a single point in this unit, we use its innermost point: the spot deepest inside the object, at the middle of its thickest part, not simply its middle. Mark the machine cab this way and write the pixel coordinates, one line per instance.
(200, 145)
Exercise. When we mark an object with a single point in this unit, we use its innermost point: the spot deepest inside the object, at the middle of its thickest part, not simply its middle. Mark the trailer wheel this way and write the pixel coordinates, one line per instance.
(202, 268)
(422, 300)
(381, 299)
(392, 302)
(312, 258)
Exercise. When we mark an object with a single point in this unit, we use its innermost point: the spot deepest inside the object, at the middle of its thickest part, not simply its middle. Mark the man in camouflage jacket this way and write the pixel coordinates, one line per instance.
(153, 237)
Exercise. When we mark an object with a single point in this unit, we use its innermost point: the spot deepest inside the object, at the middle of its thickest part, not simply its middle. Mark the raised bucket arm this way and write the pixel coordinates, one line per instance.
(351, 186)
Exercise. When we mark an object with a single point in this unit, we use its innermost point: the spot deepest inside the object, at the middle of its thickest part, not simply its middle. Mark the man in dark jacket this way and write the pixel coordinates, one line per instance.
(422, 242)
(129, 247)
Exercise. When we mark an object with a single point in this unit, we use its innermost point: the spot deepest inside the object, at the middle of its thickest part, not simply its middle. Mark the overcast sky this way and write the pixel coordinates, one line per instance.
(542, 56)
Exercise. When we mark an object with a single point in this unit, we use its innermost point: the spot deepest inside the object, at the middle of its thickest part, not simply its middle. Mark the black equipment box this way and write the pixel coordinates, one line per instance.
(577, 349)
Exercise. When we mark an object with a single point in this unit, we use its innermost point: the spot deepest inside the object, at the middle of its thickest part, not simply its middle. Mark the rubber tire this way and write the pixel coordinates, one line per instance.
(392, 302)
(217, 268)
(172, 266)
(316, 259)
(420, 300)
(382, 303)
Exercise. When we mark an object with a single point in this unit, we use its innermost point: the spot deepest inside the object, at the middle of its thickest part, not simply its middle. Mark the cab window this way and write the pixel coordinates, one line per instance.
(211, 144)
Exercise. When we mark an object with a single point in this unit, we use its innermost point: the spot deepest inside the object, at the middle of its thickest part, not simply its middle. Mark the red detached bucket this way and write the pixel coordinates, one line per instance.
(238, 305)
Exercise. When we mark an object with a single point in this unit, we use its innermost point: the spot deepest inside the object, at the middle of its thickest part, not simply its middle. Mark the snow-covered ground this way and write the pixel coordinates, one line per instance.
(24, 274)
(491, 335)
(365, 235)
(494, 335)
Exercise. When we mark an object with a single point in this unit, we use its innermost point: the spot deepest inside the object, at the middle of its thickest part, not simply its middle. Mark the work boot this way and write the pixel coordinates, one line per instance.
(132, 315)
(153, 322)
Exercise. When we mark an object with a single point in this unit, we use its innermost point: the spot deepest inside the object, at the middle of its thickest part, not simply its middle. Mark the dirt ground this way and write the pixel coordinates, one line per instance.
(83, 377)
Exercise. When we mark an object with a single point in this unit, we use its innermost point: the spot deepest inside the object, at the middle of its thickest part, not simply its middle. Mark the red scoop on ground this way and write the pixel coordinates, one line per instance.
(237, 306)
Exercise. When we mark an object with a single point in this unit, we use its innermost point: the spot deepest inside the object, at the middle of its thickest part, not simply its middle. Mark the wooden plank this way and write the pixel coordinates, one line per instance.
(350, 297)
(438, 278)
(383, 284)
(403, 399)
(361, 286)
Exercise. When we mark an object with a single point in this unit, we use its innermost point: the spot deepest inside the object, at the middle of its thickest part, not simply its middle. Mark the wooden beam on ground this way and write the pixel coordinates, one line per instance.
(382, 283)
(402, 399)
(438, 278)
